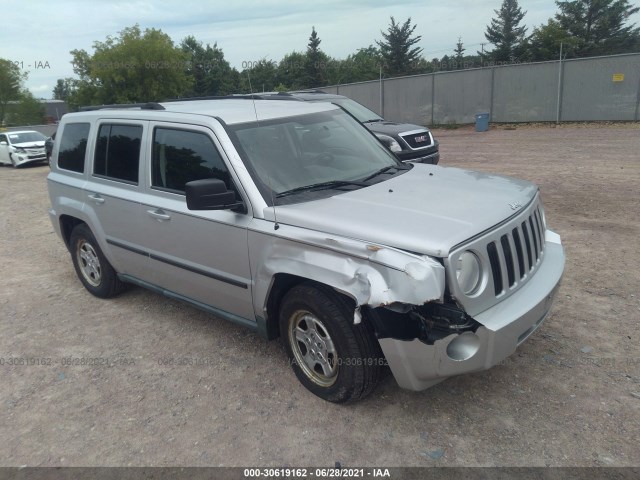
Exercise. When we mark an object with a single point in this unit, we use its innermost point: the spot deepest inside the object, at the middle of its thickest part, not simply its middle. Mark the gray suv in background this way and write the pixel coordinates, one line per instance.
(291, 219)
(411, 143)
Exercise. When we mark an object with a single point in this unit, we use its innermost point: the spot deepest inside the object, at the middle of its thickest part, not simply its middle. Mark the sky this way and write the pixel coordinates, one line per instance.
(39, 34)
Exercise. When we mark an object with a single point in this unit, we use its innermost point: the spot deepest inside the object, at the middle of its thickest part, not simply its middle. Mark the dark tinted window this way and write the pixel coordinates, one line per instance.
(73, 146)
(118, 152)
(180, 156)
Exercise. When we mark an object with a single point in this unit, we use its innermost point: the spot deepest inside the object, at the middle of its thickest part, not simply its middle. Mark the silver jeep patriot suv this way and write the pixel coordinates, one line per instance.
(291, 219)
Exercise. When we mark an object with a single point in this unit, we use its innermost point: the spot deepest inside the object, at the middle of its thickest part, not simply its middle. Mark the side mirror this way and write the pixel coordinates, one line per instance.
(210, 194)
(3, 143)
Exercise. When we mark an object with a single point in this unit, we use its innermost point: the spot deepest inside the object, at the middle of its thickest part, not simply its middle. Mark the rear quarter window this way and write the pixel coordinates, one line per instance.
(73, 146)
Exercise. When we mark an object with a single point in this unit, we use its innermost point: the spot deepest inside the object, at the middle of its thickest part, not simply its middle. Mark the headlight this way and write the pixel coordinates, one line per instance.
(468, 272)
(389, 142)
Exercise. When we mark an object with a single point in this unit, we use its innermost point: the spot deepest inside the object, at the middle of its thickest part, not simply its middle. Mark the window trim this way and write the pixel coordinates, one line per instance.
(206, 132)
(88, 148)
(141, 160)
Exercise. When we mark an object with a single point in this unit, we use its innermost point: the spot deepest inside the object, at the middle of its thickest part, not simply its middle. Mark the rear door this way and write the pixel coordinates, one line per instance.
(199, 255)
(112, 194)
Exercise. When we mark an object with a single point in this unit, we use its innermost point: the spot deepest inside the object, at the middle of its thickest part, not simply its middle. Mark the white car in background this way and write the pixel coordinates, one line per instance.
(21, 148)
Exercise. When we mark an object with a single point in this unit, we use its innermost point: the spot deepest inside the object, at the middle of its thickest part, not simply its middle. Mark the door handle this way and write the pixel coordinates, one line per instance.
(159, 215)
(96, 198)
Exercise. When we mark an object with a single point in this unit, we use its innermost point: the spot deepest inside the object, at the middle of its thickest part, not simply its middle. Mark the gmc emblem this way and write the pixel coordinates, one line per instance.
(421, 138)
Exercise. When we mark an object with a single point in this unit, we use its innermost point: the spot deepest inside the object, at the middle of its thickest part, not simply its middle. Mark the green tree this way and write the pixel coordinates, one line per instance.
(363, 65)
(599, 26)
(317, 61)
(544, 42)
(459, 53)
(263, 75)
(134, 67)
(292, 71)
(28, 110)
(11, 79)
(505, 33)
(397, 49)
(207, 68)
(64, 88)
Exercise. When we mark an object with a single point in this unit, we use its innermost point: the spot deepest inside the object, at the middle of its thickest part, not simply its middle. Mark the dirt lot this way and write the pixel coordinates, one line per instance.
(569, 396)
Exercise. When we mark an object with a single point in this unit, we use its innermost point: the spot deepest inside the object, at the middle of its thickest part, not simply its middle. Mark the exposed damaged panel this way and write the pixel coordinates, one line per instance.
(427, 323)
(373, 275)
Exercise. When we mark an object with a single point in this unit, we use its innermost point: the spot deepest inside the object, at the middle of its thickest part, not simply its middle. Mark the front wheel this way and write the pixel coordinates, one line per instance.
(332, 357)
(94, 270)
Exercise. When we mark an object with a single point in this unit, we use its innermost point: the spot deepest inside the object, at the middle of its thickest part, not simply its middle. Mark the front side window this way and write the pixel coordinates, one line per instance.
(181, 156)
(73, 146)
(118, 152)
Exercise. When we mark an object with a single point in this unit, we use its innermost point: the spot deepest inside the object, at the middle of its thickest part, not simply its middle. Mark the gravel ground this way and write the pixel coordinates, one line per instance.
(570, 396)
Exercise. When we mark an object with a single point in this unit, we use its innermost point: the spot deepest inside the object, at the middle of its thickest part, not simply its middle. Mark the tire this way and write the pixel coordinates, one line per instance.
(94, 271)
(346, 363)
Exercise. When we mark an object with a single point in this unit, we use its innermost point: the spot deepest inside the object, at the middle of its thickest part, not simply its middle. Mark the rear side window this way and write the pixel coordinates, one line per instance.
(73, 146)
(118, 152)
(180, 156)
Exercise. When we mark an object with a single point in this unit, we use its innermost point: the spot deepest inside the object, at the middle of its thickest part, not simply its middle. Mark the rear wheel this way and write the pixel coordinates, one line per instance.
(332, 357)
(93, 269)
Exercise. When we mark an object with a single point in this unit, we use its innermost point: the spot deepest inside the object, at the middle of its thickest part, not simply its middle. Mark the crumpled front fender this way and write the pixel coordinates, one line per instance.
(370, 274)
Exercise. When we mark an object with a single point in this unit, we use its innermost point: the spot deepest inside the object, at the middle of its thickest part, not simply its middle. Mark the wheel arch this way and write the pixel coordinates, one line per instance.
(281, 284)
(67, 224)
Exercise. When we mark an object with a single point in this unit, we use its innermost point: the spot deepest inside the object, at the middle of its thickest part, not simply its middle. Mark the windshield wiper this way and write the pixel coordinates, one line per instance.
(384, 170)
(321, 186)
(373, 120)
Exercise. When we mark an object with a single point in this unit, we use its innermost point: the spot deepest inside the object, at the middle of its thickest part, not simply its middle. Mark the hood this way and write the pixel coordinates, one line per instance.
(427, 210)
(393, 128)
(37, 144)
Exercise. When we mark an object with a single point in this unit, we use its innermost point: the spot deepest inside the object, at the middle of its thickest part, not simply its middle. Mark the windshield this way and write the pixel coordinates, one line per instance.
(362, 113)
(323, 151)
(25, 137)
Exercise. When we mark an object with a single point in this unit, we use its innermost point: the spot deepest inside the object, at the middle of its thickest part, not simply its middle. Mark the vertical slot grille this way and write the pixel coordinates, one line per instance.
(537, 216)
(513, 253)
(508, 258)
(519, 252)
(494, 260)
(527, 241)
(534, 235)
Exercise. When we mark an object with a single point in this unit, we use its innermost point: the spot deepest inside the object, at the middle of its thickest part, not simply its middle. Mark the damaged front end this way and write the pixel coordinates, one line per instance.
(427, 344)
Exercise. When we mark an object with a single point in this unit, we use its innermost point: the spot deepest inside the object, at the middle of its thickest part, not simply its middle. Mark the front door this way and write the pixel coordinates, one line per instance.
(199, 255)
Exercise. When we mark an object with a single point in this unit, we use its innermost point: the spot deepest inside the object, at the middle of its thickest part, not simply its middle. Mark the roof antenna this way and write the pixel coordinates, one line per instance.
(276, 226)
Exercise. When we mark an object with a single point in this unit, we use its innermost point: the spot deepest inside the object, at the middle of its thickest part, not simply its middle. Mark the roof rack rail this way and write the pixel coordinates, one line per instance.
(234, 96)
(311, 90)
(142, 106)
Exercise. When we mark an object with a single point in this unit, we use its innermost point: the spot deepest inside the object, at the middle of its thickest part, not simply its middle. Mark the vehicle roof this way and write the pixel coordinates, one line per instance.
(230, 110)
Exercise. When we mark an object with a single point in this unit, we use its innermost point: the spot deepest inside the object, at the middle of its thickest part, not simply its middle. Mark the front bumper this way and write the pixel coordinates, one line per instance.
(432, 158)
(20, 159)
(417, 366)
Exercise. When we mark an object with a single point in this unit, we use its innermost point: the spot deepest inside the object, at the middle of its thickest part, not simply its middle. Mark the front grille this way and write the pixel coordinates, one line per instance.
(418, 140)
(517, 253)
